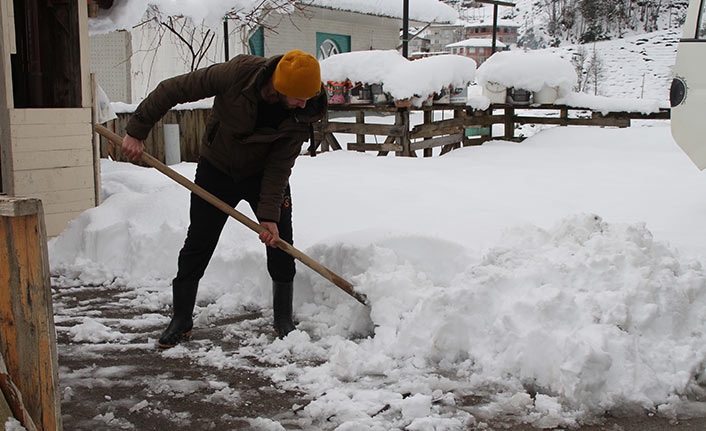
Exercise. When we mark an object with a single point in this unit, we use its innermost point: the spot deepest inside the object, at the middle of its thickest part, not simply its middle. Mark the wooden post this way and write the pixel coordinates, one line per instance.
(428, 118)
(96, 143)
(564, 116)
(402, 118)
(27, 337)
(509, 123)
(360, 119)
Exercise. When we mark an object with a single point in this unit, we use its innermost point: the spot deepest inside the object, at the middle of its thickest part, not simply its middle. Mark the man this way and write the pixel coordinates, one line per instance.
(262, 113)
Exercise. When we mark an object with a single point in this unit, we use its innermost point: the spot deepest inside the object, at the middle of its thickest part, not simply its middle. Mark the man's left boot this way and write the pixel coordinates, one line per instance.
(282, 295)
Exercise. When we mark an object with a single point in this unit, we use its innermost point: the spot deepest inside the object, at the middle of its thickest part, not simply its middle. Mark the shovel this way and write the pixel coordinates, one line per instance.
(213, 200)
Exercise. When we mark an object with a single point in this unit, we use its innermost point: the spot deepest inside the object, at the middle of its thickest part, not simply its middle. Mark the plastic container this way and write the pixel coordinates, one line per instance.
(337, 92)
(497, 93)
(360, 93)
(458, 94)
(546, 96)
(519, 96)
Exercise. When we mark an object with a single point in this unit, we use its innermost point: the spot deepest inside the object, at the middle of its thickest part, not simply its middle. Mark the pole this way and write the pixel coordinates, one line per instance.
(213, 200)
(405, 28)
(225, 38)
(495, 26)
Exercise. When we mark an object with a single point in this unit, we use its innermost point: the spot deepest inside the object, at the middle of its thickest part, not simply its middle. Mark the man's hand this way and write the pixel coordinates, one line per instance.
(271, 234)
(132, 147)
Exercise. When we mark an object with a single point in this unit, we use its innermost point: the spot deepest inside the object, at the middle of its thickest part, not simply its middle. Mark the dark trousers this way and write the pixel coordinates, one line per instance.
(207, 223)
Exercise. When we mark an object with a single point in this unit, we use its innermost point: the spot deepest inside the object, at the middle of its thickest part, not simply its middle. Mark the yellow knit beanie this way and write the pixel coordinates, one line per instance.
(297, 75)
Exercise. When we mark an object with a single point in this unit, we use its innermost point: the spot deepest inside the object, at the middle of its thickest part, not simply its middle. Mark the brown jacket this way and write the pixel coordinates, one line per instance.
(232, 143)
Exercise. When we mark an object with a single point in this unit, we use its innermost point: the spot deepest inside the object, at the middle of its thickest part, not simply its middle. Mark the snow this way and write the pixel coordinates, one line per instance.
(570, 265)
(528, 70)
(400, 77)
(12, 424)
(126, 14)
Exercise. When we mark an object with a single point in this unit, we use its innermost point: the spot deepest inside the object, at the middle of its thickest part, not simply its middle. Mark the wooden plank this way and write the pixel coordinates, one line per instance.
(437, 142)
(70, 195)
(53, 159)
(16, 207)
(27, 336)
(360, 119)
(57, 116)
(80, 205)
(12, 403)
(77, 130)
(509, 123)
(445, 127)
(365, 129)
(388, 140)
(57, 223)
(598, 121)
(43, 143)
(49, 180)
(332, 141)
(428, 118)
(354, 146)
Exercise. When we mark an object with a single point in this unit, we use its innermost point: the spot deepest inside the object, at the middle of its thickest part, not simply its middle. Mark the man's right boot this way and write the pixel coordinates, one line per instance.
(184, 297)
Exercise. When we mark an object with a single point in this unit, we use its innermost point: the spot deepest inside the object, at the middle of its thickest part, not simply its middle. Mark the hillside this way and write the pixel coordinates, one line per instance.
(554, 23)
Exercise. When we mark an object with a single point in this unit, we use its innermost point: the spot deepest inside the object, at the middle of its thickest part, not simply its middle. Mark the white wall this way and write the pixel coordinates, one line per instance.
(299, 30)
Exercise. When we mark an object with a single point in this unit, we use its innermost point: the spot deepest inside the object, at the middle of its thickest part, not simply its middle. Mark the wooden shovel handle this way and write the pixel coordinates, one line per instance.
(256, 227)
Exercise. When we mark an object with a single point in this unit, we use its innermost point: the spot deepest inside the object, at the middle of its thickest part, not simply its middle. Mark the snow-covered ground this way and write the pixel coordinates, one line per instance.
(560, 277)
(555, 279)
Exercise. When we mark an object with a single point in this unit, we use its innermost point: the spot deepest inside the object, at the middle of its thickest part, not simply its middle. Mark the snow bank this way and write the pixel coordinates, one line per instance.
(527, 70)
(605, 105)
(400, 77)
(549, 324)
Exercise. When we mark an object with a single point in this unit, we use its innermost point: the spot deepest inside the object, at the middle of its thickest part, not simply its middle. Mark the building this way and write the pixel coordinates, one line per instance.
(46, 143)
(440, 35)
(507, 31)
(478, 49)
(419, 45)
(127, 68)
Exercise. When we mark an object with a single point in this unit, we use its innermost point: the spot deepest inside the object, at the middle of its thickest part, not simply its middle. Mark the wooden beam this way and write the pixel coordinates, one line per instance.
(509, 123)
(27, 333)
(364, 129)
(597, 121)
(354, 146)
(13, 397)
(451, 126)
(360, 119)
(436, 142)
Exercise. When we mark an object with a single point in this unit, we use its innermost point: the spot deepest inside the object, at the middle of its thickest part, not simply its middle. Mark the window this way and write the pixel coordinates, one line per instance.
(328, 44)
(47, 62)
(257, 43)
(471, 50)
(701, 22)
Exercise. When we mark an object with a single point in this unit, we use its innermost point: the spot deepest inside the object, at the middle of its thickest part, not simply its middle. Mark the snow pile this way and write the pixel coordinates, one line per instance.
(419, 10)
(400, 77)
(605, 104)
(564, 317)
(528, 70)
(126, 14)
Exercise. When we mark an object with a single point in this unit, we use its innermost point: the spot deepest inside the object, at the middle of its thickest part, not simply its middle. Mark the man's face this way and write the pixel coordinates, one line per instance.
(293, 102)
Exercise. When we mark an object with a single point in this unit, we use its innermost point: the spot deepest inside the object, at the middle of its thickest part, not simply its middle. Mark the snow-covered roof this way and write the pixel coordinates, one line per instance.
(126, 14)
(419, 10)
(400, 77)
(477, 42)
(528, 70)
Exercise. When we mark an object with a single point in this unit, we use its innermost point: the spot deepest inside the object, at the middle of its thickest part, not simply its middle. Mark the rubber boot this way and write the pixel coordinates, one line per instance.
(179, 328)
(282, 294)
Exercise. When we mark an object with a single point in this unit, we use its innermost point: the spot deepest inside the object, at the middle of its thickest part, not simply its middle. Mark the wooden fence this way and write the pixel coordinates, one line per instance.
(28, 359)
(466, 126)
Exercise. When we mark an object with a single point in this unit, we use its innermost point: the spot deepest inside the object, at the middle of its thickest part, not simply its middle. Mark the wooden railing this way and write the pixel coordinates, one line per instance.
(466, 127)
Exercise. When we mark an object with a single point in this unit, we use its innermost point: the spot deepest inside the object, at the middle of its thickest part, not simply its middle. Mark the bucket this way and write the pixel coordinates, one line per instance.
(336, 92)
(546, 96)
(495, 92)
(458, 94)
(442, 96)
(360, 93)
(518, 96)
(378, 95)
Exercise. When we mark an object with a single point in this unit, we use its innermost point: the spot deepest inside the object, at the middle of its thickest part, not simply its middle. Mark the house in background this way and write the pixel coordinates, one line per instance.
(441, 35)
(478, 49)
(127, 68)
(46, 142)
(507, 31)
